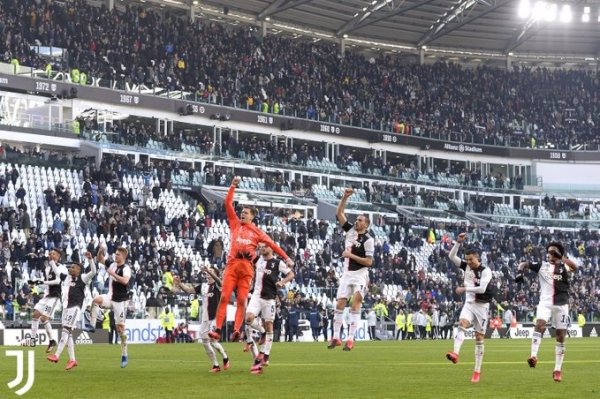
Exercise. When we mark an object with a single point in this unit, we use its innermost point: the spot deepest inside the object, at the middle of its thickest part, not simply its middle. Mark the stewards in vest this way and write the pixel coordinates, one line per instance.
(75, 75)
(401, 325)
(167, 321)
(410, 328)
(16, 65)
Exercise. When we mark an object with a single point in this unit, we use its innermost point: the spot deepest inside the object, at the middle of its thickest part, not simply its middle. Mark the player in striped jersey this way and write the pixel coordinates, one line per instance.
(55, 274)
(266, 283)
(358, 258)
(117, 297)
(210, 293)
(478, 295)
(553, 276)
(75, 295)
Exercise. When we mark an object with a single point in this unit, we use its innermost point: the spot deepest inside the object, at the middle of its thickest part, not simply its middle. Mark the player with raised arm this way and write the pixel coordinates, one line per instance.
(553, 276)
(266, 283)
(116, 299)
(210, 293)
(76, 283)
(478, 295)
(239, 271)
(358, 254)
(55, 274)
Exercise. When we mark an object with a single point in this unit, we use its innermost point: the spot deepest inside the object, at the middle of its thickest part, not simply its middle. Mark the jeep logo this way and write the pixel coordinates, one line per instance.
(522, 333)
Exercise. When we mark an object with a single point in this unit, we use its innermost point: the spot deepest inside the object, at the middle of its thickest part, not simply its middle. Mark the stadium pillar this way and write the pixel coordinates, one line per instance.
(508, 61)
(263, 29)
(110, 4)
(421, 56)
(342, 47)
(192, 13)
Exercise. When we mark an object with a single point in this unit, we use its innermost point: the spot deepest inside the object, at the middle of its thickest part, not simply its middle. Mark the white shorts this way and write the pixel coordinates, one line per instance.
(477, 314)
(70, 316)
(47, 305)
(559, 314)
(205, 327)
(118, 308)
(264, 308)
(351, 283)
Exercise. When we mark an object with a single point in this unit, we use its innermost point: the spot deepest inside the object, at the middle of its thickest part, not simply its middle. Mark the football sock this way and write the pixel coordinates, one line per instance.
(249, 334)
(93, 315)
(478, 356)
(34, 327)
(220, 348)
(123, 344)
(354, 320)
(559, 352)
(210, 352)
(268, 343)
(254, 349)
(459, 339)
(71, 348)
(63, 341)
(536, 340)
(48, 328)
(337, 323)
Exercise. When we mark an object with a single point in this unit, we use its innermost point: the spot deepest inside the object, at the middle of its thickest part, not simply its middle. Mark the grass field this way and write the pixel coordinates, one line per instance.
(393, 369)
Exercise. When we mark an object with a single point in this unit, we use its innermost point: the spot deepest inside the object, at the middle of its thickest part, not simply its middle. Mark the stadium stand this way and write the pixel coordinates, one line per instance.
(80, 206)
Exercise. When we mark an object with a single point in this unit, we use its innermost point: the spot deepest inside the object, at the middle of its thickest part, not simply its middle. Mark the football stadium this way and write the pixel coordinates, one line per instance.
(299, 198)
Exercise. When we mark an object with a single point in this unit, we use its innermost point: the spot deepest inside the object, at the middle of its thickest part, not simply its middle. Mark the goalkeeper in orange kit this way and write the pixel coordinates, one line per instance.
(239, 271)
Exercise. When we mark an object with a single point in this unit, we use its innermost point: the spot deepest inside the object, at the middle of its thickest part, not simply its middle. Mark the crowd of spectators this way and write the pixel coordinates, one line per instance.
(237, 66)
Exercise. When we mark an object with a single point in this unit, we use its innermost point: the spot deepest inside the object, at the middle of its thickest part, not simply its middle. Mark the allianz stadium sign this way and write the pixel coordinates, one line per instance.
(463, 148)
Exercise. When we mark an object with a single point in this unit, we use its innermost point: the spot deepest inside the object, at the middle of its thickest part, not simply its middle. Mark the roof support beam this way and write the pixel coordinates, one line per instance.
(451, 13)
(361, 22)
(492, 5)
(279, 6)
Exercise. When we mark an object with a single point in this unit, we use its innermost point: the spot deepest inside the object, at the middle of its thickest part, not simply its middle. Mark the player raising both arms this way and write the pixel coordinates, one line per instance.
(239, 271)
(55, 274)
(75, 296)
(553, 276)
(117, 297)
(210, 293)
(358, 254)
(475, 312)
(266, 284)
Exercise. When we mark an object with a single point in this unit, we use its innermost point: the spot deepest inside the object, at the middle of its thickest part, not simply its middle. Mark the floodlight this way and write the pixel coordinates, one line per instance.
(565, 14)
(524, 9)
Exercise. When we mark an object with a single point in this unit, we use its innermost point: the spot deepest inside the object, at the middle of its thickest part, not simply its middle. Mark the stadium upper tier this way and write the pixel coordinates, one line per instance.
(234, 66)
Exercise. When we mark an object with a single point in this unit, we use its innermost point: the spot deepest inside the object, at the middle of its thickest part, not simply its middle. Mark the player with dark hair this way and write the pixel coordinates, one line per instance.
(75, 296)
(210, 293)
(55, 274)
(475, 311)
(358, 254)
(553, 276)
(117, 297)
(266, 284)
(239, 271)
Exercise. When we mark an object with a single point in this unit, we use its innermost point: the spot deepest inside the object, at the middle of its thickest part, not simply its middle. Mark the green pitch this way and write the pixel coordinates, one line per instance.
(393, 369)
